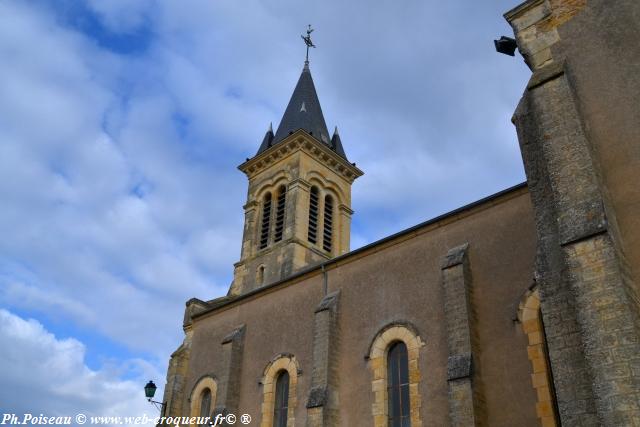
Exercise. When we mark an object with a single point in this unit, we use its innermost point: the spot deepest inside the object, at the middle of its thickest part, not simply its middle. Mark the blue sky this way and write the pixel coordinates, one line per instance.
(121, 127)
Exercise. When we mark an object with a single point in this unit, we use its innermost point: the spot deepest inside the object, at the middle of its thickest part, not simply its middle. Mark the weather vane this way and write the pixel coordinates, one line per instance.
(308, 42)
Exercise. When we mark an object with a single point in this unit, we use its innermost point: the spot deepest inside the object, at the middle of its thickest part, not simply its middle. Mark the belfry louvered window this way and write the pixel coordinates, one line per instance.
(280, 209)
(266, 220)
(398, 385)
(327, 234)
(312, 235)
(281, 404)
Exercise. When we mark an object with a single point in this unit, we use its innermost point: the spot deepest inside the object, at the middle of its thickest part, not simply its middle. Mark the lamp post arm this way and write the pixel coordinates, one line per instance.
(160, 405)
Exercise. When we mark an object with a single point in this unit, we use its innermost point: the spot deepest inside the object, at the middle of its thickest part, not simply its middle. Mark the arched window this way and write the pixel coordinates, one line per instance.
(205, 405)
(280, 208)
(203, 398)
(312, 235)
(260, 275)
(394, 361)
(279, 391)
(328, 224)
(266, 219)
(281, 405)
(398, 385)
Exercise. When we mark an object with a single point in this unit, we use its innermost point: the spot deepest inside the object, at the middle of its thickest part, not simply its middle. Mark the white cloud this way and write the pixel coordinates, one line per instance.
(42, 374)
(101, 201)
(20, 294)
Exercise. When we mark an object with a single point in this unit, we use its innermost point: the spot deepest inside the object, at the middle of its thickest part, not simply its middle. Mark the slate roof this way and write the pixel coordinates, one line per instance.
(303, 112)
(267, 141)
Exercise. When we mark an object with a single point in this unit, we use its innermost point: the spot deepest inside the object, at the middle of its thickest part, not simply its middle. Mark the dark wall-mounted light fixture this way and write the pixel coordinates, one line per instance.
(506, 45)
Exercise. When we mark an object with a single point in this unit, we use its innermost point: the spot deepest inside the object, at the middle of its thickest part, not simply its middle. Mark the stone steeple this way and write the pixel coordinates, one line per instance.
(298, 211)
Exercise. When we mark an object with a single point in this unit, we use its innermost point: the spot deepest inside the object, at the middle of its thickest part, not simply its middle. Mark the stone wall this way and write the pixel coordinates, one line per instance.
(588, 288)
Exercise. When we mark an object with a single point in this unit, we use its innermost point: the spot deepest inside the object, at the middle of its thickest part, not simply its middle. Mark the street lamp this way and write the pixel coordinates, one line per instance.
(149, 392)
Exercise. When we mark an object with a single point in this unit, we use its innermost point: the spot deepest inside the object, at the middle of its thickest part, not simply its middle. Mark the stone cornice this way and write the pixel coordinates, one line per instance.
(282, 244)
(345, 209)
(522, 8)
(251, 204)
(299, 182)
(301, 140)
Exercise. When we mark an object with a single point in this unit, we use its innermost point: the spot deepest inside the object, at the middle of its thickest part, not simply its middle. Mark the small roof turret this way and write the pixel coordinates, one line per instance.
(267, 140)
(336, 143)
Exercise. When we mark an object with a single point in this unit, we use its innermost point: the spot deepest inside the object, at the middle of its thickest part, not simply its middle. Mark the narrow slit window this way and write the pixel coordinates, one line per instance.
(266, 219)
(260, 275)
(280, 208)
(327, 235)
(281, 406)
(312, 235)
(398, 385)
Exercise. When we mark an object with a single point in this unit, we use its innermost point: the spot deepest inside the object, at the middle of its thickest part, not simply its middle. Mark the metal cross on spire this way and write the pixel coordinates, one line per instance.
(308, 42)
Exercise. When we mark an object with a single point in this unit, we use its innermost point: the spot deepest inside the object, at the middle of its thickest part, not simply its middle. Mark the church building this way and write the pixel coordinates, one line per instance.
(520, 309)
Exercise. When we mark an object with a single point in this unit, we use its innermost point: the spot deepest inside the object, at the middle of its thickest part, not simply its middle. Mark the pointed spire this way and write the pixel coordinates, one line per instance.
(336, 144)
(267, 141)
(303, 112)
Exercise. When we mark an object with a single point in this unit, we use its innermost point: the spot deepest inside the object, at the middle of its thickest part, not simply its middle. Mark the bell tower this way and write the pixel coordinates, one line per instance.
(298, 210)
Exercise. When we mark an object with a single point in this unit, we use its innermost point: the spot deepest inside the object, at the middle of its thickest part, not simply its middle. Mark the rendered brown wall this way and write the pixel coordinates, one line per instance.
(397, 280)
(278, 322)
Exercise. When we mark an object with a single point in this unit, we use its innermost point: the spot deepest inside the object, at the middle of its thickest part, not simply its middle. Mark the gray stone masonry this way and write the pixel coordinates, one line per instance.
(174, 390)
(466, 404)
(571, 380)
(231, 354)
(590, 323)
(323, 404)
